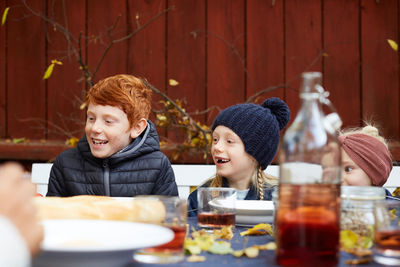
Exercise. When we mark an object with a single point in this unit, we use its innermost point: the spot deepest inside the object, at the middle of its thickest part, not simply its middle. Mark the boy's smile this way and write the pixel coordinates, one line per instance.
(107, 130)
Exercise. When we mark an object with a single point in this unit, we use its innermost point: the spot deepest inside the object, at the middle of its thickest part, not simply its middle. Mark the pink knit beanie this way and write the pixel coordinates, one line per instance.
(370, 154)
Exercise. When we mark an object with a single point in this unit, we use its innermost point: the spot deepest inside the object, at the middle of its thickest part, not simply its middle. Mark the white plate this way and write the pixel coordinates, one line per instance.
(96, 242)
(254, 207)
(245, 220)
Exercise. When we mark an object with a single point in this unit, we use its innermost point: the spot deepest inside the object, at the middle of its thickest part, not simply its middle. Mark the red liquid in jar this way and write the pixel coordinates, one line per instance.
(307, 225)
(215, 220)
(176, 244)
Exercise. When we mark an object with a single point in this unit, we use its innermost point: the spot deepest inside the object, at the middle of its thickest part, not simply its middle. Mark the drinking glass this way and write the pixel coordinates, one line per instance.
(387, 232)
(216, 207)
(175, 219)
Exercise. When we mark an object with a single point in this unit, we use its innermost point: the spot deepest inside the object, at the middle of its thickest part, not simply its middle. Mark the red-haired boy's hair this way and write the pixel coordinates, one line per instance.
(124, 91)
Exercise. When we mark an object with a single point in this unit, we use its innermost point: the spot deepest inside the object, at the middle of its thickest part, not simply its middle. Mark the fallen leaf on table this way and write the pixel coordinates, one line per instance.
(259, 229)
(268, 246)
(196, 258)
(220, 247)
(224, 233)
(251, 252)
(238, 253)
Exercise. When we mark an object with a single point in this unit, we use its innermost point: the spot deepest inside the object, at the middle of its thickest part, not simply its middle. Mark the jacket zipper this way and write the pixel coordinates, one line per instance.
(106, 180)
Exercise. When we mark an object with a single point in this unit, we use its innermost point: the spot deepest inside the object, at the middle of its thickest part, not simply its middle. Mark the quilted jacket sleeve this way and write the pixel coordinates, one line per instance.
(165, 184)
(56, 185)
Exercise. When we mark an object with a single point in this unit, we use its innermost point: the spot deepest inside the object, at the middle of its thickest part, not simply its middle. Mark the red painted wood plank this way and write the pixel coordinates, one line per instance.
(101, 19)
(35, 150)
(66, 86)
(265, 48)
(26, 112)
(342, 63)
(186, 62)
(303, 45)
(186, 53)
(380, 65)
(225, 54)
(146, 50)
(3, 80)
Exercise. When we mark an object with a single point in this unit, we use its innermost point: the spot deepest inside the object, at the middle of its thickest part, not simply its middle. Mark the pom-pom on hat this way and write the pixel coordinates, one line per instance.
(258, 126)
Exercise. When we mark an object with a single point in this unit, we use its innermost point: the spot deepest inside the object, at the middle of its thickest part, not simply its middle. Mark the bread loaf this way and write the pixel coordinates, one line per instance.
(100, 208)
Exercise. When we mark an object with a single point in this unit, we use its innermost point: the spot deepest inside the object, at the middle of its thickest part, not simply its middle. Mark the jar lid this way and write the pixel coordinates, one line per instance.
(363, 192)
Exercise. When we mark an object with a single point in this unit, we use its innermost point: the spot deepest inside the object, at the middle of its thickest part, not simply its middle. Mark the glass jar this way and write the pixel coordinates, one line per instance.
(308, 216)
(357, 218)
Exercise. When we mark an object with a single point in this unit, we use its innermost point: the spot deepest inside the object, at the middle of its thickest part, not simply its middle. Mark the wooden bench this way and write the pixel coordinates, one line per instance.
(187, 176)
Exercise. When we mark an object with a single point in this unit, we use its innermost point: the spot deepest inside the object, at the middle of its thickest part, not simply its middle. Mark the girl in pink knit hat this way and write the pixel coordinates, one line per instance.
(366, 159)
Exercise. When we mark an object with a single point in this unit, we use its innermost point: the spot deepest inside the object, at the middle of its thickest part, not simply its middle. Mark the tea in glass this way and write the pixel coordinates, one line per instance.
(216, 207)
(175, 219)
(387, 233)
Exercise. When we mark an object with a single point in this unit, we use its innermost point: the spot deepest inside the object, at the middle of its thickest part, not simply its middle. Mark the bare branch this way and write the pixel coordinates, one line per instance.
(193, 122)
(128, 37)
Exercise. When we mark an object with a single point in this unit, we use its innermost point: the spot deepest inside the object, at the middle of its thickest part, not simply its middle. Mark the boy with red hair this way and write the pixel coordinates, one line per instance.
(119, 155)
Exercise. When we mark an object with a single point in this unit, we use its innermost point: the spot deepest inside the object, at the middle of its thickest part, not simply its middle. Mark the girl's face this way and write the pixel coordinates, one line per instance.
(352, 174)
(107, 130)
(230, 158)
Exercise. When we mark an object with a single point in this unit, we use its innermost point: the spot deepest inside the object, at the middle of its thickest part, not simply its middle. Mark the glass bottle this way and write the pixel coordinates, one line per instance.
(308, 216)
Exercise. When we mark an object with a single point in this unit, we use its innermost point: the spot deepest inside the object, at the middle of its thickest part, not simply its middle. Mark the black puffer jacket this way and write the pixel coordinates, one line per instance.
(139, 169)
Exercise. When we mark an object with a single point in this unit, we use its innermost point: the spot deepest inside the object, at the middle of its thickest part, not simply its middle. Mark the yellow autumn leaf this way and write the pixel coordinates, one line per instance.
(173, 82)
(18, 140)
(259, 229)
(72, 141)
(4, 18)
(393, 44)
(55, 61)
(48, 72)
(251, 252)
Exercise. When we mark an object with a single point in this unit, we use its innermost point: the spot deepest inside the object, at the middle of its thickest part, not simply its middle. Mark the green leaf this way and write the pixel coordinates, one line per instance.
(3, 20)
(48, 72)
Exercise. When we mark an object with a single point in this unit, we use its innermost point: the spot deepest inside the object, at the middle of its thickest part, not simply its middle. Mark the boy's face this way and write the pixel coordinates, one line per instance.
(107, 130)
(352, 174)
(230, 157)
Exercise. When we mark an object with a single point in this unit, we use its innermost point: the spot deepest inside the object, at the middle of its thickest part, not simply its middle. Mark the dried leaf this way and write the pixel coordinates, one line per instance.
(251, 252)
(196, 258)
(173, 82)
(238, 253)
(4, 18)
(268, 246)
(259, 229)
(224, 233)
(55, 61)
(221, 248)
(72, 141)
(393, 44)
(18, 140)
(48, 72)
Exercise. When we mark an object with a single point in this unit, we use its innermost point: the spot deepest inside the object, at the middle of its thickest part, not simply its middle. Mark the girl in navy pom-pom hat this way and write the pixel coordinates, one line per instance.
(245, 140)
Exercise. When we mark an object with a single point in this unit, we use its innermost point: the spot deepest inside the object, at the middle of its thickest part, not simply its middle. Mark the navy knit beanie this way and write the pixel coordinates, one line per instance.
(258, 126)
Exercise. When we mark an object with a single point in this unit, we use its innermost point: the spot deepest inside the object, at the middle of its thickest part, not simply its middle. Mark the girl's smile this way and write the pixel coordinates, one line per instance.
(231, 159)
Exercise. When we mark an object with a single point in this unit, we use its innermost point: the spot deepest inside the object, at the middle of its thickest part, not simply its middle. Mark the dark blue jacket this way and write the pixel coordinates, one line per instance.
(139, 169)
(251, 195)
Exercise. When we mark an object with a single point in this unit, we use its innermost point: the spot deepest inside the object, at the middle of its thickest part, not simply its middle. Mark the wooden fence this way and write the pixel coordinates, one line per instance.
(220, 51)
